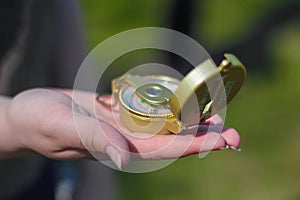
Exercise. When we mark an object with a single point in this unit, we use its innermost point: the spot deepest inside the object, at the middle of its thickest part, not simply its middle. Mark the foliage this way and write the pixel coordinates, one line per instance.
(265, 111)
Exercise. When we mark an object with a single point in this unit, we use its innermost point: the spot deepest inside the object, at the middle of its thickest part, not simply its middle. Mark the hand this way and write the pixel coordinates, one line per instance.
(42, 120)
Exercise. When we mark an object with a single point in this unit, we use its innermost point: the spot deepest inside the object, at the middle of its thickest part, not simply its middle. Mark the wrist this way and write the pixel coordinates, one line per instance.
(10, 145)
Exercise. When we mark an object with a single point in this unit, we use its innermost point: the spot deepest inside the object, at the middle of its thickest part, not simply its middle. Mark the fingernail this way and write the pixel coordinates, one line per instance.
(114, 156)
(235, 148)
(225, 147)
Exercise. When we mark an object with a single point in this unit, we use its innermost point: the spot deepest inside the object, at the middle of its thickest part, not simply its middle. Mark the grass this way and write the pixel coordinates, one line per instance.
(265, 111)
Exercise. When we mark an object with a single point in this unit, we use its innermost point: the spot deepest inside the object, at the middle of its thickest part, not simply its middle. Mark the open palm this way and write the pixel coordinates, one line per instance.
(67, 124)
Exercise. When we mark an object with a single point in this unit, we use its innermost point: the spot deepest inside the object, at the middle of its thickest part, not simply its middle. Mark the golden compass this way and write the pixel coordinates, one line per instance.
(162, 105)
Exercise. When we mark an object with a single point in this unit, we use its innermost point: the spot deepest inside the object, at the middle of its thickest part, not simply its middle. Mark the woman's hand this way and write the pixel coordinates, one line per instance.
(50, 122)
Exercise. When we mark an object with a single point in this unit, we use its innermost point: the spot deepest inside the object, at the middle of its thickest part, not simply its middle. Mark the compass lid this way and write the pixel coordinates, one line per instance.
(207, 89)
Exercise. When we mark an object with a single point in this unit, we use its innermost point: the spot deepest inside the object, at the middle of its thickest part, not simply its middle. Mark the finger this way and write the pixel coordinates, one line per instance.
(72, 154)
(81, 131)
(175, 146)
(102, 137)
(230, 135)
(215, 120)
(231, 138)
(205, 142)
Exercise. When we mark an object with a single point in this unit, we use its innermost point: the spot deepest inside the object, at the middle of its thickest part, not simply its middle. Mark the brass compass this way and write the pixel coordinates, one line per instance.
(163, 105)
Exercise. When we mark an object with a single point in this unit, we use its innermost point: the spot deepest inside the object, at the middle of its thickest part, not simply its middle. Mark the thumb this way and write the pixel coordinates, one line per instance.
(100, 137)
(116, 146)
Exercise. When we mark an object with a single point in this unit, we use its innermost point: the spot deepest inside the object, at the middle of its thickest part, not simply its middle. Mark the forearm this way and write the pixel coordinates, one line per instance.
(9, 144)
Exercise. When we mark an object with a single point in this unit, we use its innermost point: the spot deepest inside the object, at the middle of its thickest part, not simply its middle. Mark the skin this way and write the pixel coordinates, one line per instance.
(42, 120)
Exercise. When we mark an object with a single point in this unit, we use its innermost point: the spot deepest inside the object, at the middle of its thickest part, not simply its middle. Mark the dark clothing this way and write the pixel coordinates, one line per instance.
(43, 48)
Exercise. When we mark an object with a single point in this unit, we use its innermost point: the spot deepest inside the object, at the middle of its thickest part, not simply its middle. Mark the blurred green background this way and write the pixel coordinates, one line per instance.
(265, 112)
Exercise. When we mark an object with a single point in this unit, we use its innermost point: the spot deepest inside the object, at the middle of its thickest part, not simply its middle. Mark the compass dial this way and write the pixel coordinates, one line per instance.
(136, 103)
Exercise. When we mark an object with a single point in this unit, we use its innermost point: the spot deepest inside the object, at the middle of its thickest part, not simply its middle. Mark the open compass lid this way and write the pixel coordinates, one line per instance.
(207, 89)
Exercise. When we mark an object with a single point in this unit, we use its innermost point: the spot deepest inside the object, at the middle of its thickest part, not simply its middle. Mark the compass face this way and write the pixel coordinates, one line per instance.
(136, 103)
